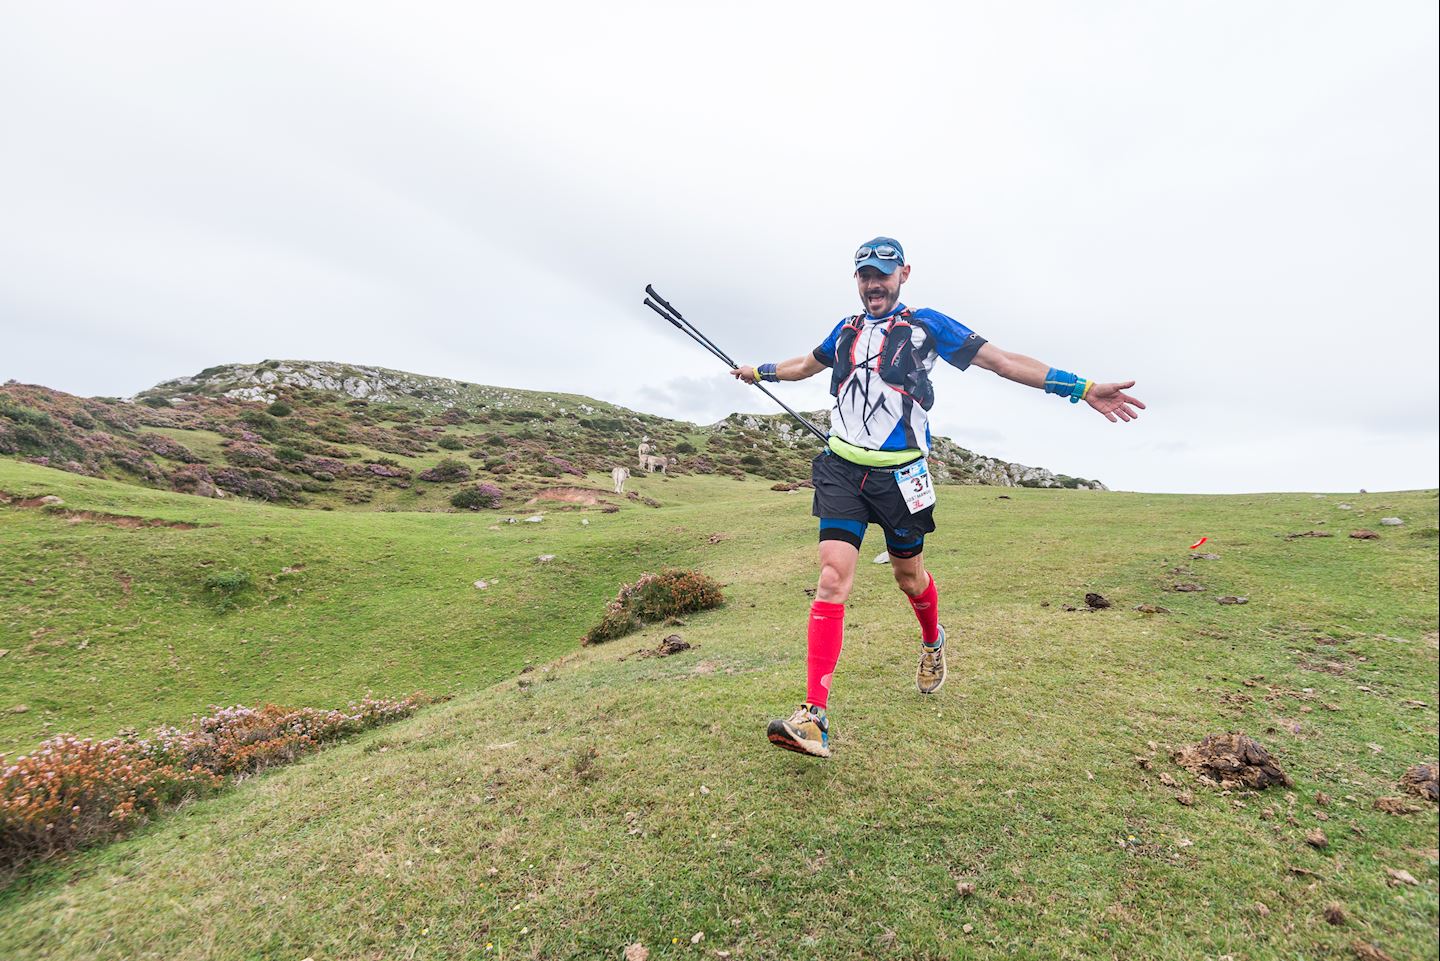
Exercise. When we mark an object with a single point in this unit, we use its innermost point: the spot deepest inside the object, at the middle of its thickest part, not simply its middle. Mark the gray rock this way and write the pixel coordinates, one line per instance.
(534, 519)
(544, 558)
(1391, 521)
(50, 500)
(1343, 507)
(481, 585)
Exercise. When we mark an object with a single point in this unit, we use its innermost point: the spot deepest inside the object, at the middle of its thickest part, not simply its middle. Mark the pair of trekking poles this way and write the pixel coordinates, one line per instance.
(662, 307)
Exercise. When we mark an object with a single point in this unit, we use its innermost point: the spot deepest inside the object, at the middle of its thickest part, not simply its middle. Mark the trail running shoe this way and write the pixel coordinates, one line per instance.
(930, 676)
(807, 731)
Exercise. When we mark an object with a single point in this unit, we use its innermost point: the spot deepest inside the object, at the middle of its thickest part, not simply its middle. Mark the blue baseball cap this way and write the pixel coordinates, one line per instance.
(883, 253)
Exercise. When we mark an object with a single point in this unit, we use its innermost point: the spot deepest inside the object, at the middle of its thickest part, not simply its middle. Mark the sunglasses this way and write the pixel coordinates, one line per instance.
(884, 252)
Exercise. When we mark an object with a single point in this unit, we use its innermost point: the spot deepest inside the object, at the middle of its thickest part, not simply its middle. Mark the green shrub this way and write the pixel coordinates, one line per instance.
(289, 454)
(228, 587)
(279, 409)
(450, 443)
(655, 597)
(477, 498)
(684, 447)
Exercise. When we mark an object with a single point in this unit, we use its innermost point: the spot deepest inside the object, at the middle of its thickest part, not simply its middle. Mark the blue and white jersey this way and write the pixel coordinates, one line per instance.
(877, 415)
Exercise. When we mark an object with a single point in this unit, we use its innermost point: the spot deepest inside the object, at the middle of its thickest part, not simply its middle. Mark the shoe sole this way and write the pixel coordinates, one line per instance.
(781, 736)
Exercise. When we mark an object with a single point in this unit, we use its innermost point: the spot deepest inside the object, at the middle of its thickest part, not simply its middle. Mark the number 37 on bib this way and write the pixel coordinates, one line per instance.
(915, 486)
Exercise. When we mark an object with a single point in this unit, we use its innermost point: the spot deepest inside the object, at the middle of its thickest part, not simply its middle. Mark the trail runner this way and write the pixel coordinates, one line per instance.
(873, 469)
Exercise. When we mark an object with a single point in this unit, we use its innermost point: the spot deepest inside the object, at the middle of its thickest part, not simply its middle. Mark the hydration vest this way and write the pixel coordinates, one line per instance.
(899, 361)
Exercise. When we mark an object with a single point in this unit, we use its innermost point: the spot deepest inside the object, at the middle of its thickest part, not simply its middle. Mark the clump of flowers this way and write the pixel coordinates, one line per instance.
(655, 597)
(447, 470)
(477, 497)
(74, 791)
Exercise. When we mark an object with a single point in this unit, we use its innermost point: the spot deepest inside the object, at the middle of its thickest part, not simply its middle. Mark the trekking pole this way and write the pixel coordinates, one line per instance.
(678, 321)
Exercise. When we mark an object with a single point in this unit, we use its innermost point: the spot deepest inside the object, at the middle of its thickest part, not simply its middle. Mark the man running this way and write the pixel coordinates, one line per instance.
(873, 470)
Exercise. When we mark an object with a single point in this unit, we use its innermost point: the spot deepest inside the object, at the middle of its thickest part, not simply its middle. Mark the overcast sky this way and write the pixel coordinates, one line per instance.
(1233, 203)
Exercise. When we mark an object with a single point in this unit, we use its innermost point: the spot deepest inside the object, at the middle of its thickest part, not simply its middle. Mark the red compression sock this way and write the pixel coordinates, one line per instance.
(826, 635)
(927, 612)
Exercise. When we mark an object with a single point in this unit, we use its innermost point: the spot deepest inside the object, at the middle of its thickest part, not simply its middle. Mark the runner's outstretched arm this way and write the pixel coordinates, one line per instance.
(1109, 399)
(796, 368)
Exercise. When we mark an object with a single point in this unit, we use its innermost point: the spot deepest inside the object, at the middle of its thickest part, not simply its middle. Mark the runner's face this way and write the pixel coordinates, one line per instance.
(880, 292)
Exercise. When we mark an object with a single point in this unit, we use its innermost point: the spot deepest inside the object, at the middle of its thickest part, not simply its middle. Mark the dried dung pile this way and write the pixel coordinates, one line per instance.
(1232, 760)
(1420, 781)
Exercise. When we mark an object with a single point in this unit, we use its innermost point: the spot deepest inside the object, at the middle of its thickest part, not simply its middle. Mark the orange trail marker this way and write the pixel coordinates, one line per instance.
(1198, 543)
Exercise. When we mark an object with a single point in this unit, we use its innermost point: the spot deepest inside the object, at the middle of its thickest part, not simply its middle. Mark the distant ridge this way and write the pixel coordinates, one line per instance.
(346, 436)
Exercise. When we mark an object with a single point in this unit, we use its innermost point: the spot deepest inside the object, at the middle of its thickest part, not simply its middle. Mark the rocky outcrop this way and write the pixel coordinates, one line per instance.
(949, 462)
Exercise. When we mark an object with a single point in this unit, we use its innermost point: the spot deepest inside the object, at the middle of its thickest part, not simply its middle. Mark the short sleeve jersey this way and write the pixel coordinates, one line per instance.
(872, 414)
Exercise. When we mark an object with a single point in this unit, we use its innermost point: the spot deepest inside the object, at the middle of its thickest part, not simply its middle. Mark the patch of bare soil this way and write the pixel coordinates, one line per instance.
(671, 645)
(1232, 760)
(589, 497)
(1291, 537)
(1395, 805)
(52, 508)
(1420, 781)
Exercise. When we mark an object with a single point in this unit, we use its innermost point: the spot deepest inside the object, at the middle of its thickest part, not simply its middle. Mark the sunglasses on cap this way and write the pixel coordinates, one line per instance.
(884, 252)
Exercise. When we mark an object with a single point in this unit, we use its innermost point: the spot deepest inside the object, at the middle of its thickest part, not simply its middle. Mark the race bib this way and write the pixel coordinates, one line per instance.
(915, 486)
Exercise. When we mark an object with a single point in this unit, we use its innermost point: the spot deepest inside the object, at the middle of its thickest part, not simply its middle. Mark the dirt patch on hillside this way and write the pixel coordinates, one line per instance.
(51, 506)
(1420, 781)
(1232, 760)
(569, 495)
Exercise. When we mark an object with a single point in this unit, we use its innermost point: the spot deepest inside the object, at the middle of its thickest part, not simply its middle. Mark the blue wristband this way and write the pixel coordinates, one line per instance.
(1060, 382)
(767, 372)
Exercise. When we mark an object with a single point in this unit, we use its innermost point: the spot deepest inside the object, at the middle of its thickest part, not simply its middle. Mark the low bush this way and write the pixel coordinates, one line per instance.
(75, 791)
(655, 597)
(279, 409)
(478, 497)
(450, 443)
(446, 471)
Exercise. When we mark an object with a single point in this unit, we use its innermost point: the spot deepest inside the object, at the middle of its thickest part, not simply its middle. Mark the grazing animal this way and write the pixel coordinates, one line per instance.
(653, 463)
(620, 475)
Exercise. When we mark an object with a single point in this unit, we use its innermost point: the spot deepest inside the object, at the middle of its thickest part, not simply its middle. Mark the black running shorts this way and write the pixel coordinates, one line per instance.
(849, 496)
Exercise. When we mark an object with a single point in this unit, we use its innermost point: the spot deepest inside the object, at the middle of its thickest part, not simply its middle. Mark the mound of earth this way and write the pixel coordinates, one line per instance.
(1232, 760)
(1420, 781)
(569, 495)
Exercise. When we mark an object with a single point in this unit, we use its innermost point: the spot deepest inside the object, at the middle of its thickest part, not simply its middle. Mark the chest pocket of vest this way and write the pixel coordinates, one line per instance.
(901, 360)
(899, 364)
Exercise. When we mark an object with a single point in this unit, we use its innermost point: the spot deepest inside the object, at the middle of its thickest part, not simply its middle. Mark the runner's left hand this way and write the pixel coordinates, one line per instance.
(1112, 401)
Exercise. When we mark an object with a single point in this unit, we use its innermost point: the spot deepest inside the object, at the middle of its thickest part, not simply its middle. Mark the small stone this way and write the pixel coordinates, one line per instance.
(1232, 599)
(697, 937)
(584, 522)
(637, 952)
(544, 558)
(50, 500)
(964, 888)
(882, 558)
(20, 709)
(481, 585)
(1343, 507)
(968, 928)
(1262, 909)
(1365, 535)
(1400, 877)
(534, 519)
(1391, 521)
(1185, 799)
(1316, 838)
(1186, 587)
(1151, 609)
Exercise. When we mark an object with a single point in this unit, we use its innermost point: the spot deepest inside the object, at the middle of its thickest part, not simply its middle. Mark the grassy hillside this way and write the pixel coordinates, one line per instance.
(602, 799)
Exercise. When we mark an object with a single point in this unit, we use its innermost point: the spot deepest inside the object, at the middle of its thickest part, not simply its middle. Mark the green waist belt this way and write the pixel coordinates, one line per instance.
(872, 458)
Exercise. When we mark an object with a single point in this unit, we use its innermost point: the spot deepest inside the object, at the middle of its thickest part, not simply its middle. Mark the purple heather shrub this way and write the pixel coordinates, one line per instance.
(448, 470)
(165, 447)
(251, 455)
(565, 465)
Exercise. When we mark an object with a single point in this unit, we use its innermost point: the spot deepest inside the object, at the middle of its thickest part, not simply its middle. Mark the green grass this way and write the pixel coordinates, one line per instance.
(598, 801)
